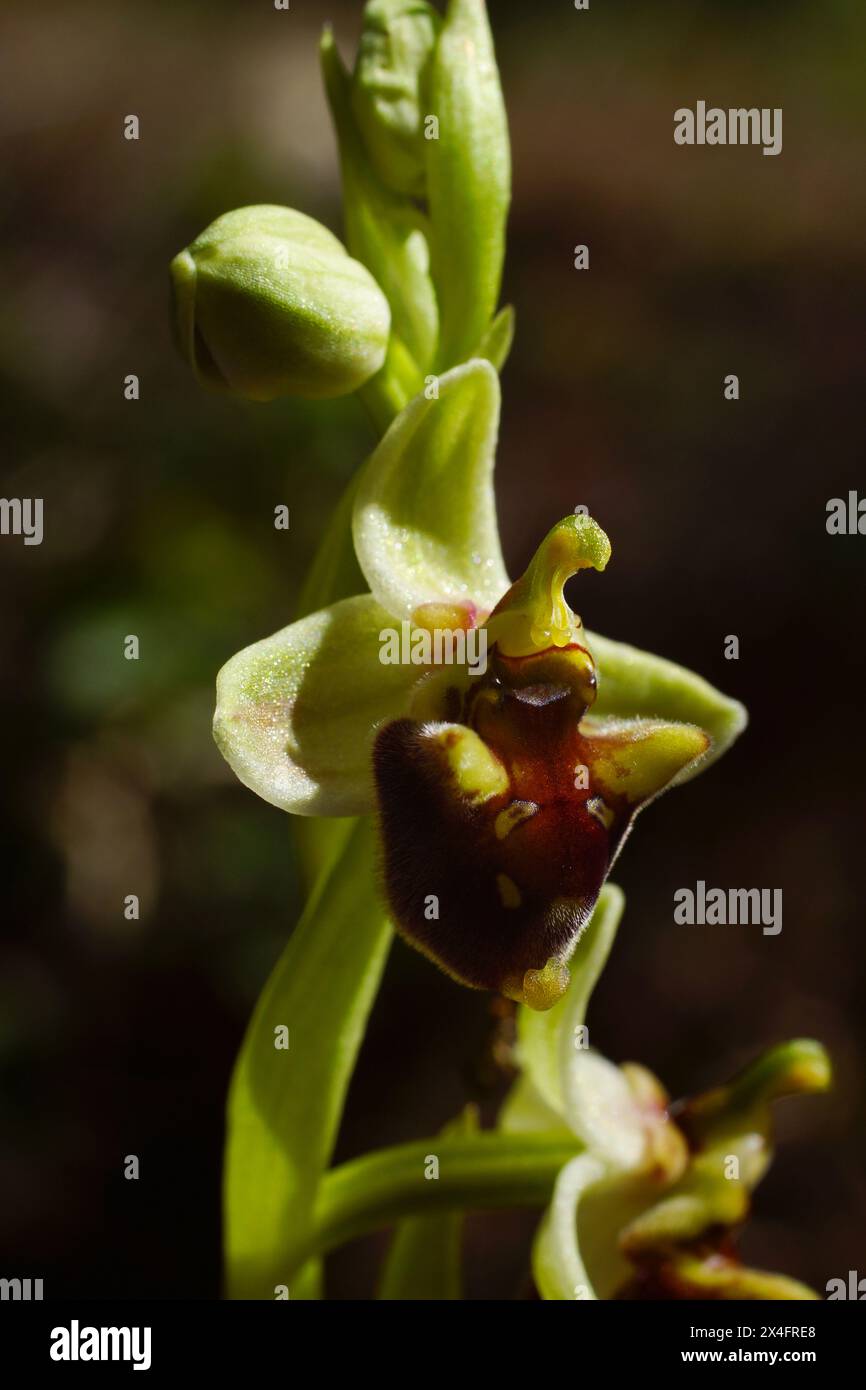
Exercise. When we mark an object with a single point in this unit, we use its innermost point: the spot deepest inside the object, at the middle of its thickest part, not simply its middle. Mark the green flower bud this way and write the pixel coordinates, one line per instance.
(269, 303)
(388, 89)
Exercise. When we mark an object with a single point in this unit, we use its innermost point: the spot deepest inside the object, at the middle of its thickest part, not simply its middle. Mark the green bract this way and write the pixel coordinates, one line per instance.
(648, 1207)
(268, 303)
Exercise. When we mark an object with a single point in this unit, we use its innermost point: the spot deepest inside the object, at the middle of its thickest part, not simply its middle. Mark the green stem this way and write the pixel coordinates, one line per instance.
(481, 1171)
(388, 393)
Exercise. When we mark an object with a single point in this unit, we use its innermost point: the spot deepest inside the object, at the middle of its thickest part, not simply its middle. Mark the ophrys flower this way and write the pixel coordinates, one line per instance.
(651, 1206)
(503, 796)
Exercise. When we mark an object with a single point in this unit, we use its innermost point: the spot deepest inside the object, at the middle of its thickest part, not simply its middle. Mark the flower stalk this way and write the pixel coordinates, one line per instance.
(380, 1189)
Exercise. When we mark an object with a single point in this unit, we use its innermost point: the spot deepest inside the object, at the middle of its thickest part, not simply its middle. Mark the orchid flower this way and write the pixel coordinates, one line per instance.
(503, 796)
(649, 1207)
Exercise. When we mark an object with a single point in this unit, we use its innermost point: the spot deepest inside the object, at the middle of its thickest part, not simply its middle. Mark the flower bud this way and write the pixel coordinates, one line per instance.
(388, 86)
(269, 303)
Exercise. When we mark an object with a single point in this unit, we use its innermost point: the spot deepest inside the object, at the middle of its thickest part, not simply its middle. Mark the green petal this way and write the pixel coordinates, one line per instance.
(638, 759)
(285, 1103)
(601, 1109)
(296, 714)
(557, 1266)
(633, 683)
(799, 1067)
(425, 515)
(424, 1260)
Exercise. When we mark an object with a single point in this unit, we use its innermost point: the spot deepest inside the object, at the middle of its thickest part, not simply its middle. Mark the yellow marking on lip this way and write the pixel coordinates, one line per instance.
(509, 892)
(512, 816)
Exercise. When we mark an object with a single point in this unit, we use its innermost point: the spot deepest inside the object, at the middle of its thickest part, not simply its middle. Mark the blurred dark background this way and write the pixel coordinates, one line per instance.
(118, 1036)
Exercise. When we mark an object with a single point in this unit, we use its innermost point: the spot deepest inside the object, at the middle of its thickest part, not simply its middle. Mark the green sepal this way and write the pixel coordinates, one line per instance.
(297, 712)
(425, 513)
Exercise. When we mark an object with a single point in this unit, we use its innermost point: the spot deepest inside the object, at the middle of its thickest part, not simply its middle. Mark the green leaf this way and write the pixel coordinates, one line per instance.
(633, 683)
(385, 231)
(425, 514)
(496, 343)
(297, 712)
(285, 1104)
(468, 180)
(424, 1258)
(319, 840)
